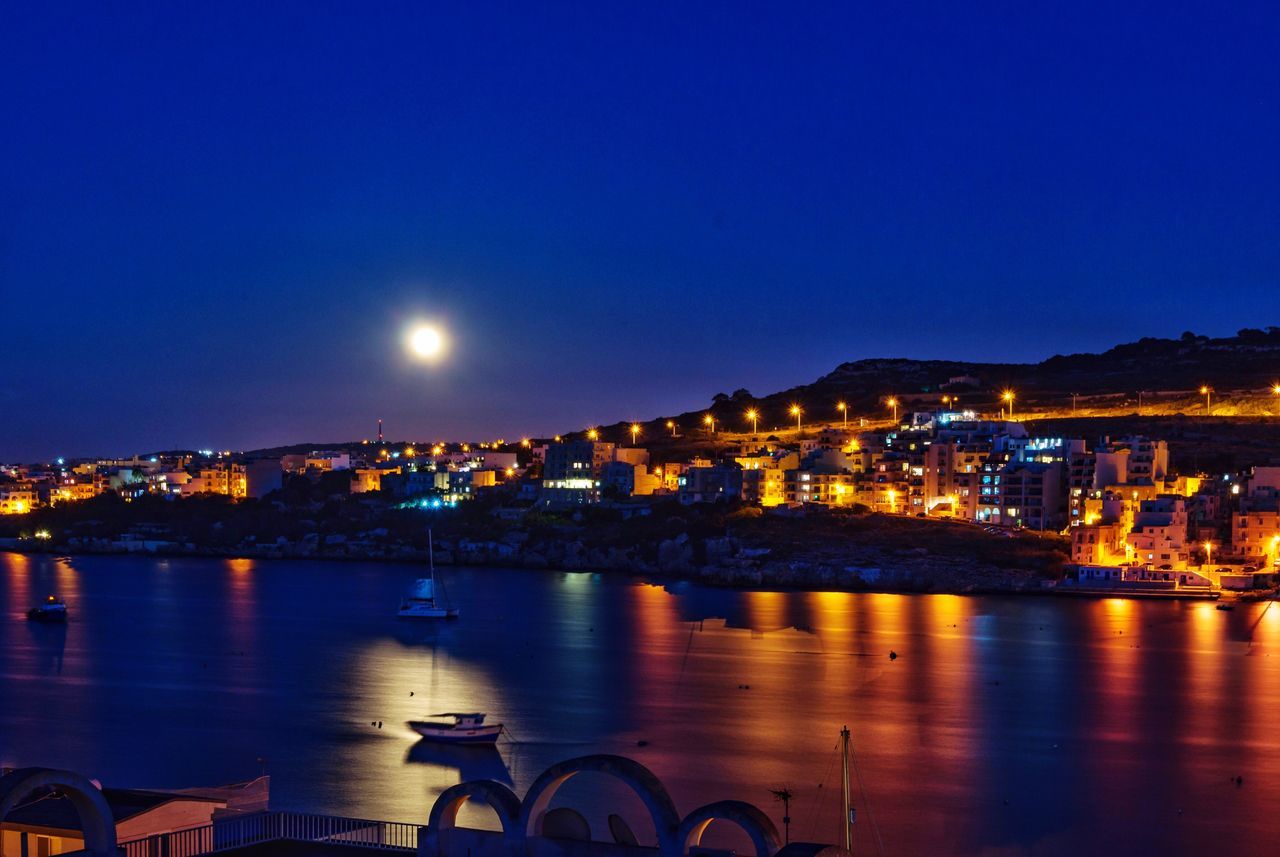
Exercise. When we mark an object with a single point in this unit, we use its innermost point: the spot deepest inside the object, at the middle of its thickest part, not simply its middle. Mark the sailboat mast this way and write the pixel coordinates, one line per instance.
(847, 810)
(431, 561)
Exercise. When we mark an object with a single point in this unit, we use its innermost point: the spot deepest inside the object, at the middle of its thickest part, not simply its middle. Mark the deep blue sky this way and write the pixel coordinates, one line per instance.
(213, 224)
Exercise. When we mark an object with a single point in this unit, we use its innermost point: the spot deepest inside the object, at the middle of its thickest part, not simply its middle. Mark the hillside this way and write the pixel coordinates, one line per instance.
(1151, 375)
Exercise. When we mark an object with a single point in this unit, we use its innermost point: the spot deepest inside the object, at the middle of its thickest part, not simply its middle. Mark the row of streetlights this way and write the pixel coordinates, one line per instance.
(1007, 396)
(753, 414)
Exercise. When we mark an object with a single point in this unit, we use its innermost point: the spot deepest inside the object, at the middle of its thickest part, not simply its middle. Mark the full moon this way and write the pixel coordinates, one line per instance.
(426, 341)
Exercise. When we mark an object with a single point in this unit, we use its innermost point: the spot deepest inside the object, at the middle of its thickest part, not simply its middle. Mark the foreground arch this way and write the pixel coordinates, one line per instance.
(96, 821)
(444, 813)
(634, 775)
(757, 825)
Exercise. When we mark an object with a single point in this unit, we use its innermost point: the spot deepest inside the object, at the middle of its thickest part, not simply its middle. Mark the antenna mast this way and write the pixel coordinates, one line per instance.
(848, 810)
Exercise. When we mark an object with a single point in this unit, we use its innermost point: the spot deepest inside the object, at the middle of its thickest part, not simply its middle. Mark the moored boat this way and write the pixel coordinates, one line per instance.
(467, 728)
(54, 609)
(422, 603)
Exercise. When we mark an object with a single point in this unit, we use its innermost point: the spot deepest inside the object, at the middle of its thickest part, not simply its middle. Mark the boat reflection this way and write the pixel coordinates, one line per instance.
(472, 762)
(420, 634)
(50, 643)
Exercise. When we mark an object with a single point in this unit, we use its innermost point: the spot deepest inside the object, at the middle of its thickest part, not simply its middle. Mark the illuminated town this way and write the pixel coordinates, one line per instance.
(1130, 519)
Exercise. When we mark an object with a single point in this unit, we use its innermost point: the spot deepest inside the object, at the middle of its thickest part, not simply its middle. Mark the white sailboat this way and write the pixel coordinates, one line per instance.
(422, 602)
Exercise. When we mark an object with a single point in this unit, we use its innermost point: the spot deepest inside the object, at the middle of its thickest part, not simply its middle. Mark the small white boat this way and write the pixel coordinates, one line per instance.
(422, 603)
(465, 729)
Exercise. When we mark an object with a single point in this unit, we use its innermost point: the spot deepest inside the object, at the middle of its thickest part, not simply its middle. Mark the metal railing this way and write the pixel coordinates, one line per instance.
(180, 843)
(239, 832)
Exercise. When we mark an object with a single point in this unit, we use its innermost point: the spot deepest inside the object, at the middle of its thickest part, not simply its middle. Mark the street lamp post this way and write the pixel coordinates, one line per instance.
(1207, 392)
(671, 424)
(844, 413)
(635, 432)
(893, 403)
(710, 422)
(1007, 396)
(796, 412)
(754, 416)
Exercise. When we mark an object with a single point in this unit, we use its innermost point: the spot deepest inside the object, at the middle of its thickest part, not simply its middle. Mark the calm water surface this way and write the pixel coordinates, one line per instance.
(1005, 726)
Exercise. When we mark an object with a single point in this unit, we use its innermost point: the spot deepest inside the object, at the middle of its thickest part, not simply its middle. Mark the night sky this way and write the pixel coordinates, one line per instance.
(215, 224)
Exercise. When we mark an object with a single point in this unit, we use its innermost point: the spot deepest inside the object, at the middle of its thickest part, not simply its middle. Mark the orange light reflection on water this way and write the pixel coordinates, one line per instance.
(18, 575)
(241, 604)
(1205, 627)
(1120, 683)
(767, 610)
(67, 581)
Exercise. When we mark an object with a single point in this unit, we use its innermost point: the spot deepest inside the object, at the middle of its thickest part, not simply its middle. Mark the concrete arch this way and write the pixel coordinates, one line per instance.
(634, 775)
(444, 812)
(755, 823)
(95, 815)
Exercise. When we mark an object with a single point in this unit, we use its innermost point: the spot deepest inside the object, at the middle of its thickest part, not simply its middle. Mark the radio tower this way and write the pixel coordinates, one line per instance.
(379, 431)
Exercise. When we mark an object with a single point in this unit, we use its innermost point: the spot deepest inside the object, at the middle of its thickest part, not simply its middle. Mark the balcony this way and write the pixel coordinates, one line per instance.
(248, 831)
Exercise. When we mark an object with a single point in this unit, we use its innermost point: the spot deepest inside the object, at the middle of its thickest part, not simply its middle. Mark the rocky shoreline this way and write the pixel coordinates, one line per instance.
(724, 562)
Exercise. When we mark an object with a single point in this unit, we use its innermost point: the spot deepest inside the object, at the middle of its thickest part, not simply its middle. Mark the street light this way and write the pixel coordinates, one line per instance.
(796, 412)
(1207, 392)
(671, 424)
(754, 416)
(592, 434)
(844, 413)
(710, 422)
(893, 403)
(1208, 553)
(1007, 396)
(635, 432)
